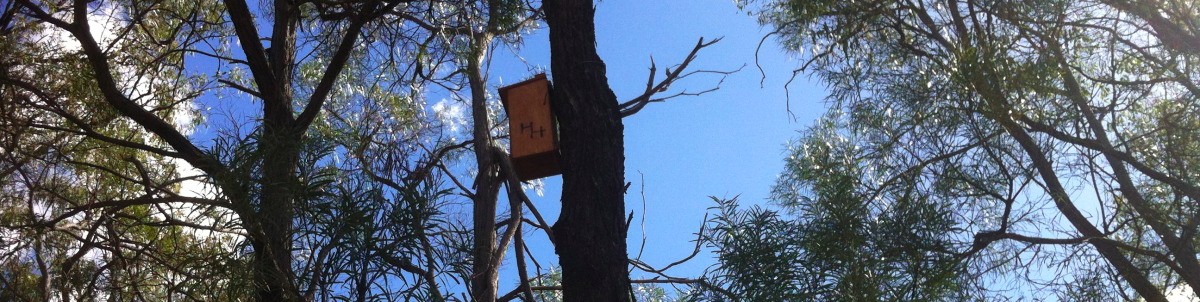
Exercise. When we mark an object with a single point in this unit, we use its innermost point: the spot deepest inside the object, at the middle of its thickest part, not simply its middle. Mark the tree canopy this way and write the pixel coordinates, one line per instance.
(982, 149)
(354, 151)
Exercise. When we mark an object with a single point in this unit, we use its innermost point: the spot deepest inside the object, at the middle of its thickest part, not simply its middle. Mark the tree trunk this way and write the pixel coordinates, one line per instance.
(273, 249)
(590, 232)
(485, 273)
(280, 151)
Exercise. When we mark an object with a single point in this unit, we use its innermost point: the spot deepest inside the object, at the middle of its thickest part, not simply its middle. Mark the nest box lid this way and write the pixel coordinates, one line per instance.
(541, 77)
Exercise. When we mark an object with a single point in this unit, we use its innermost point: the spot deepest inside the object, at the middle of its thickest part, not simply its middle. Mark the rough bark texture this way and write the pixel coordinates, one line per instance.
(273, 248)
(280, 147)
(590, 232)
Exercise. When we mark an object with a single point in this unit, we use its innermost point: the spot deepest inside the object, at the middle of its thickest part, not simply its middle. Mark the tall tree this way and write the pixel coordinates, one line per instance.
(469, 31)
(264, 175)
(87, 213)
(1048, 129)
(336, 198)
(590, 233)
(328, 181)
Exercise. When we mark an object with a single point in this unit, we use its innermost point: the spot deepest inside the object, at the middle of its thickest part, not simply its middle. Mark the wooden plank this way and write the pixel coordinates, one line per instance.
(532, 129)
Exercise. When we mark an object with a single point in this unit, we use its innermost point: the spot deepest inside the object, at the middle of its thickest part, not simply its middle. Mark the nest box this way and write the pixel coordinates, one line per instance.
(533, 131)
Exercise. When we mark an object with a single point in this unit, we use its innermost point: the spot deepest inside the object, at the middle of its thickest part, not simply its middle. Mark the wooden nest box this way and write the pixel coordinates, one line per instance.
(533, 131)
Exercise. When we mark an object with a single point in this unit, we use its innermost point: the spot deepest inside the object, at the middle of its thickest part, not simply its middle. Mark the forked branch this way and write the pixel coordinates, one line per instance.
(671, 75)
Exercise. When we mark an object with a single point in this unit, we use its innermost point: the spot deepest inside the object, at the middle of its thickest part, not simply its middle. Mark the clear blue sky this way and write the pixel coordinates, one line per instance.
(727, 143)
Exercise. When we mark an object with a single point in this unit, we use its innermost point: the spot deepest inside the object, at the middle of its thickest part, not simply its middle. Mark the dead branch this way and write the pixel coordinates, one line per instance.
(671, 75)
(656, 280)
(695, 251)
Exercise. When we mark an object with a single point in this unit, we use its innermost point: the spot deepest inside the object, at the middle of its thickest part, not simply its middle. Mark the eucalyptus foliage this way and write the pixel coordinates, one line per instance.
(217, 169)
(997, 149)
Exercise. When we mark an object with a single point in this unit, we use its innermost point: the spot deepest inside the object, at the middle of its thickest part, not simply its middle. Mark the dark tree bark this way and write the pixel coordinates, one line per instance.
(590, 232)
(280, 149)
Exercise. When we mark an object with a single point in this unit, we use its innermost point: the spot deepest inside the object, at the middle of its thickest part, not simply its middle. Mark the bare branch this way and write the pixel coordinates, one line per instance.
(510, 173)
(256, 55)
(672, 75)
(637, 263)
(522, 271)
(656, 280)
(239, 87)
